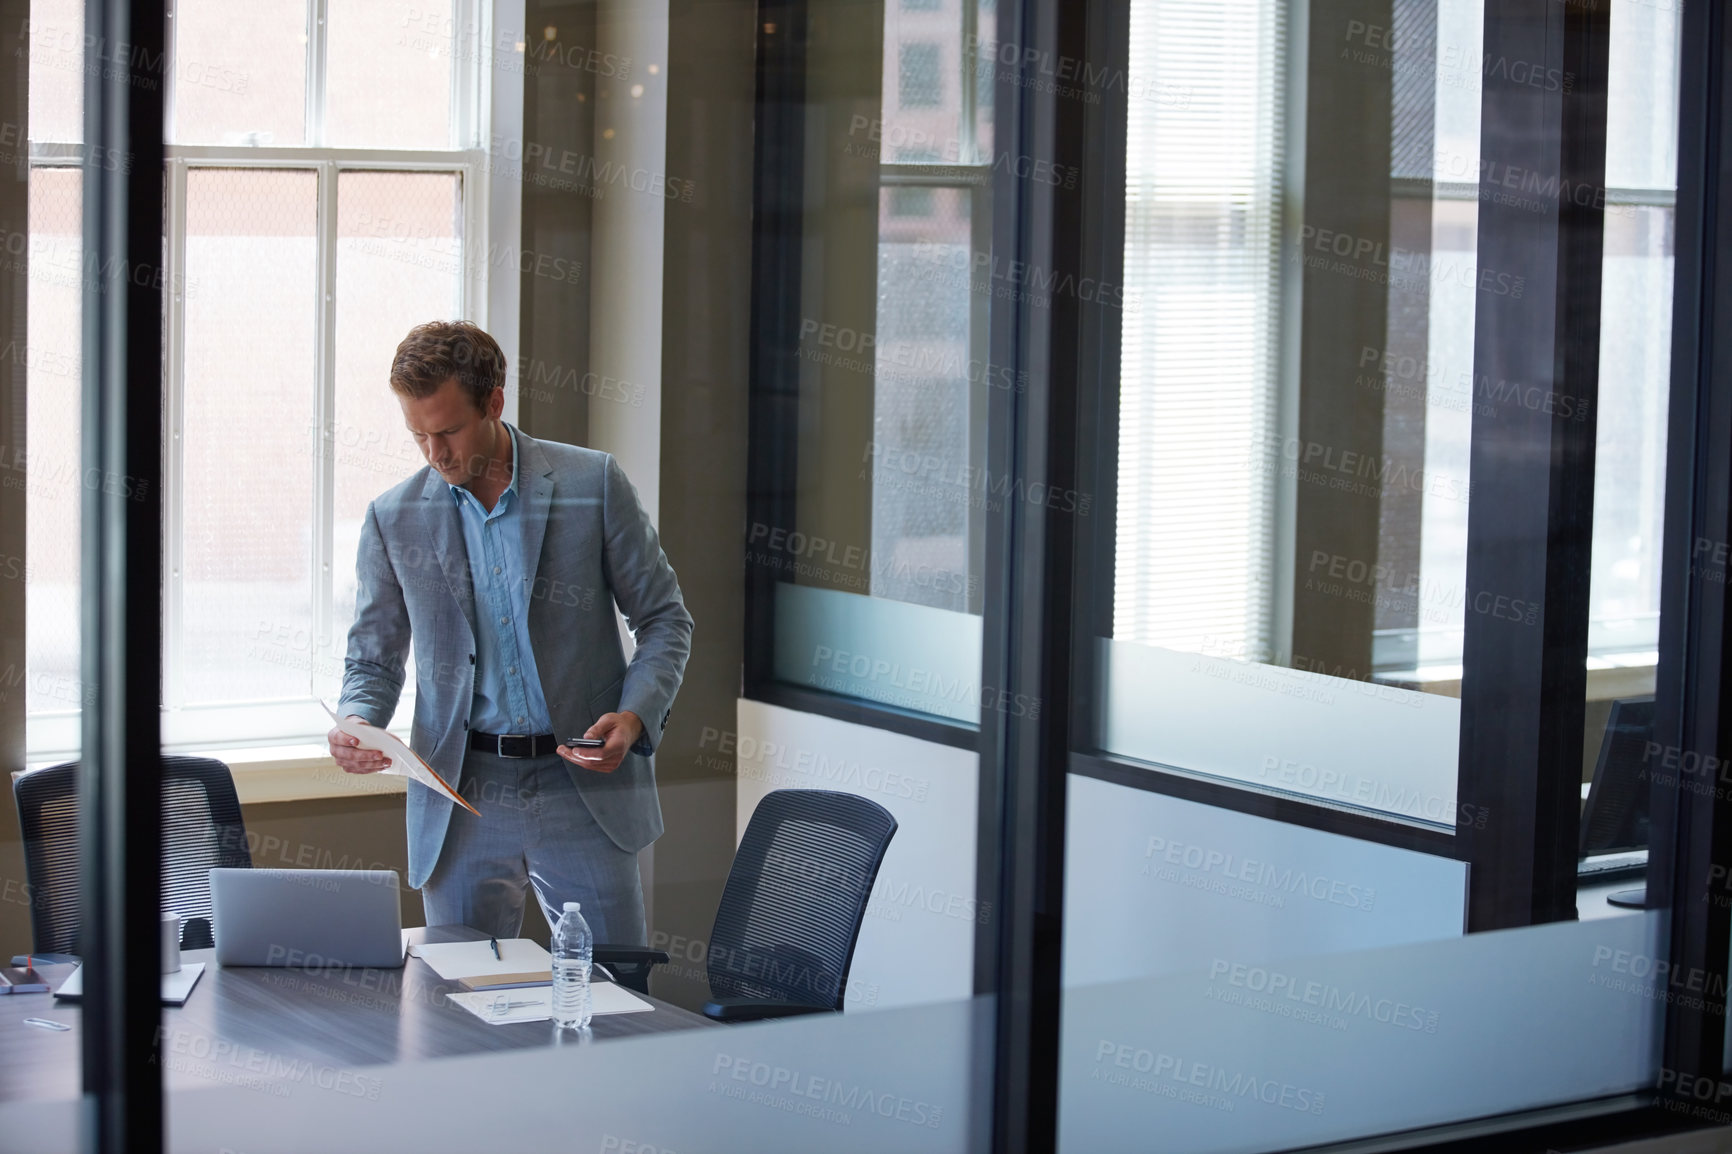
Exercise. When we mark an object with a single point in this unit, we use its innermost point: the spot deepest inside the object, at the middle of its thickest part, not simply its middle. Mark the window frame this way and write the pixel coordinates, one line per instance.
(1097, 397)
(1099, 370)
(774, 388)
(1610, 667)
(54, 734)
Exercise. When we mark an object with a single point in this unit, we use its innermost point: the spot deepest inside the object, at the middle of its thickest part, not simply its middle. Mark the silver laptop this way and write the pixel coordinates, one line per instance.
(306, 919)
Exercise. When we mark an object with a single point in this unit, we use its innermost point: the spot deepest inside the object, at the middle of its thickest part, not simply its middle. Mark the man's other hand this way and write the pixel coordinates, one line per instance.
(347, 752)
(620, 731)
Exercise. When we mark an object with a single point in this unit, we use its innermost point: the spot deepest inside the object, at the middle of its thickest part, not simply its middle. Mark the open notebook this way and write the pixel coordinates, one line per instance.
(520, 962)
(176, 987)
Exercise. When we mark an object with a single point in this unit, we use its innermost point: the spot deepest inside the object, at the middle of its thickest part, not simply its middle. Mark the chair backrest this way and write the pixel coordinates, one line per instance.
(791, 911)
(201, 828)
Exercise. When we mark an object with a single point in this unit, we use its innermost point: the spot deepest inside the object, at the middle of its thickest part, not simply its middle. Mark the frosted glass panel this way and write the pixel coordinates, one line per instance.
(1139, 863)
(247, 503)
(1358, 744)
(889, 652)
(895, 1081)
(1256, 1052)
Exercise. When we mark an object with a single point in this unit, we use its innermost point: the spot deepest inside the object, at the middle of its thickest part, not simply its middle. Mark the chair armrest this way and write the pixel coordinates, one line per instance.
(753, 1010)
(631, 956)
(630, 966)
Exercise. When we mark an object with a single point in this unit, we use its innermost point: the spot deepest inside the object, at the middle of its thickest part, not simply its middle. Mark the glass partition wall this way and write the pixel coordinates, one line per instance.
(1241, 485)
(1370, 638)
(360, 174)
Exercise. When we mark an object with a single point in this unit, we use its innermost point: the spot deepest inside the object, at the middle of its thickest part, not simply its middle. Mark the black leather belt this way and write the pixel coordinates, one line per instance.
(513, 744)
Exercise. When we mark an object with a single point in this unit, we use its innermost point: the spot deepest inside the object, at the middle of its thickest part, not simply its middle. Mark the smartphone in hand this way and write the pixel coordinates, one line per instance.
(584, 742)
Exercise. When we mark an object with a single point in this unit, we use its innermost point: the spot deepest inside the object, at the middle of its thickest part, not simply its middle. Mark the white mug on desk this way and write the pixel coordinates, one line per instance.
(170, 942)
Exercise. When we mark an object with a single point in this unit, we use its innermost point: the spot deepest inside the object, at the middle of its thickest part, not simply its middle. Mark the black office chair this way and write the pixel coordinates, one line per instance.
(791, 911)
(201, 829)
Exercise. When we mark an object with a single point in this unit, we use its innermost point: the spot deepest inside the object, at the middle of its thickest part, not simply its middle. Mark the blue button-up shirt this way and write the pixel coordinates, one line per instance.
(508, 696)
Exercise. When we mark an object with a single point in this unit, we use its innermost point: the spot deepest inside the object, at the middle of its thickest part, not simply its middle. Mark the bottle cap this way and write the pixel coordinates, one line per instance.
(572, 907)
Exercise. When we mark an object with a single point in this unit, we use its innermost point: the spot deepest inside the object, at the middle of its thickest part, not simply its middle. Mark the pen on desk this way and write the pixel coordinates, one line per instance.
(495, 942)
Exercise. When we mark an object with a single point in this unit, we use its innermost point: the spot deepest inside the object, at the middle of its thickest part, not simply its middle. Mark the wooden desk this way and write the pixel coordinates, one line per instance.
(253, 1025)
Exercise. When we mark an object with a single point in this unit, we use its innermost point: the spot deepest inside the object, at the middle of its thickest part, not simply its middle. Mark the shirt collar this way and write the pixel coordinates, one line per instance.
(459, 493)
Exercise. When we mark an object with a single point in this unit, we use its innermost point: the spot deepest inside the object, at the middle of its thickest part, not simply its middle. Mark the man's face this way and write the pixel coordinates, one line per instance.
(457, 439)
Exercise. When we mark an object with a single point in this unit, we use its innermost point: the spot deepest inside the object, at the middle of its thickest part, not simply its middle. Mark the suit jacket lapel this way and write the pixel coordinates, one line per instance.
(535, 486)
(445, 530)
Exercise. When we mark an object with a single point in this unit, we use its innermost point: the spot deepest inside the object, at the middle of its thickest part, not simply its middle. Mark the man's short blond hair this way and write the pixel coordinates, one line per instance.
(435, 352)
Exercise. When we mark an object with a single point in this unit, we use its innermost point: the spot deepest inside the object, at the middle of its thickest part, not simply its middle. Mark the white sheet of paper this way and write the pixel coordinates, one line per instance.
(176, 987)
(605, 998)
(453, 960)
(404, 762)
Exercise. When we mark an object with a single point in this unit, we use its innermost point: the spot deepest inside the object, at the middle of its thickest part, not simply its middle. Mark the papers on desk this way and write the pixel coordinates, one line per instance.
(535, 1004)
(405, 762)
(19, 980)
(457, 960)
(176, 987)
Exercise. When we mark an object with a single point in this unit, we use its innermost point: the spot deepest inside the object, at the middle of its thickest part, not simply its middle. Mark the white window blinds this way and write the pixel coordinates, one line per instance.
(1201, 326)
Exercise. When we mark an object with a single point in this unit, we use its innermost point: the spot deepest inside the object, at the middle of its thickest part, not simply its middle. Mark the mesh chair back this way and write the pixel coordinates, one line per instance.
(791, 911)
(201, 829)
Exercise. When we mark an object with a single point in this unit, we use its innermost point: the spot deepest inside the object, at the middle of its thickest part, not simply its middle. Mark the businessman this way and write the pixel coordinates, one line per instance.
(502, 561)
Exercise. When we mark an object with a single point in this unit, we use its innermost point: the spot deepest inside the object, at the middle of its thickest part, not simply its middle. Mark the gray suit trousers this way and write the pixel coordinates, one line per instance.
(535, 830)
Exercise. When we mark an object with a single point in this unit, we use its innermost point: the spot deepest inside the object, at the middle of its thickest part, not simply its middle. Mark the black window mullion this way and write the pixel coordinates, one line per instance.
(120, 837)
(1530, 512)
(1691, 803)
(1098, 374)
(1031, 578)
(778, 199)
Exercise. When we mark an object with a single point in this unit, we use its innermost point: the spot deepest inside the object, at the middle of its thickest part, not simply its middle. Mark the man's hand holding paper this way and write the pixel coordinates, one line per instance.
(361, 747)
(348, 752)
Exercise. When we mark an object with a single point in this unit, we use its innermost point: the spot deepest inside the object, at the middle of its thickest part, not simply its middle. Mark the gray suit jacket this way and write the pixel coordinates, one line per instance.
(588, 543)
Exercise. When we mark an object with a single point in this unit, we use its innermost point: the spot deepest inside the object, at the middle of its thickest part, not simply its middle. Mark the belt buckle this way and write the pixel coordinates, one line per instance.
(509, 742)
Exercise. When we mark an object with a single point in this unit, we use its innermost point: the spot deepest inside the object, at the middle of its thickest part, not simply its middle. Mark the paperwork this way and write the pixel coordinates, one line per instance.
(405, 762)
(536, 1003)
(455, 960)
(176, 987)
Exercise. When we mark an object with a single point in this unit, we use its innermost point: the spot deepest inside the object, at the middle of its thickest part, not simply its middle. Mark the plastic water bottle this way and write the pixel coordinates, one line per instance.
(573, 954)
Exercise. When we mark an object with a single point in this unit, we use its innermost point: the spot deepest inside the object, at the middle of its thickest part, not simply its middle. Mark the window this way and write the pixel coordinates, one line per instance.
(1200, 364)
(1202, 374)
(917, 79)
(1635, 335)
(326, 184)
(1635, 343)
(1254, 283)
(911, 202)
(889, 468)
